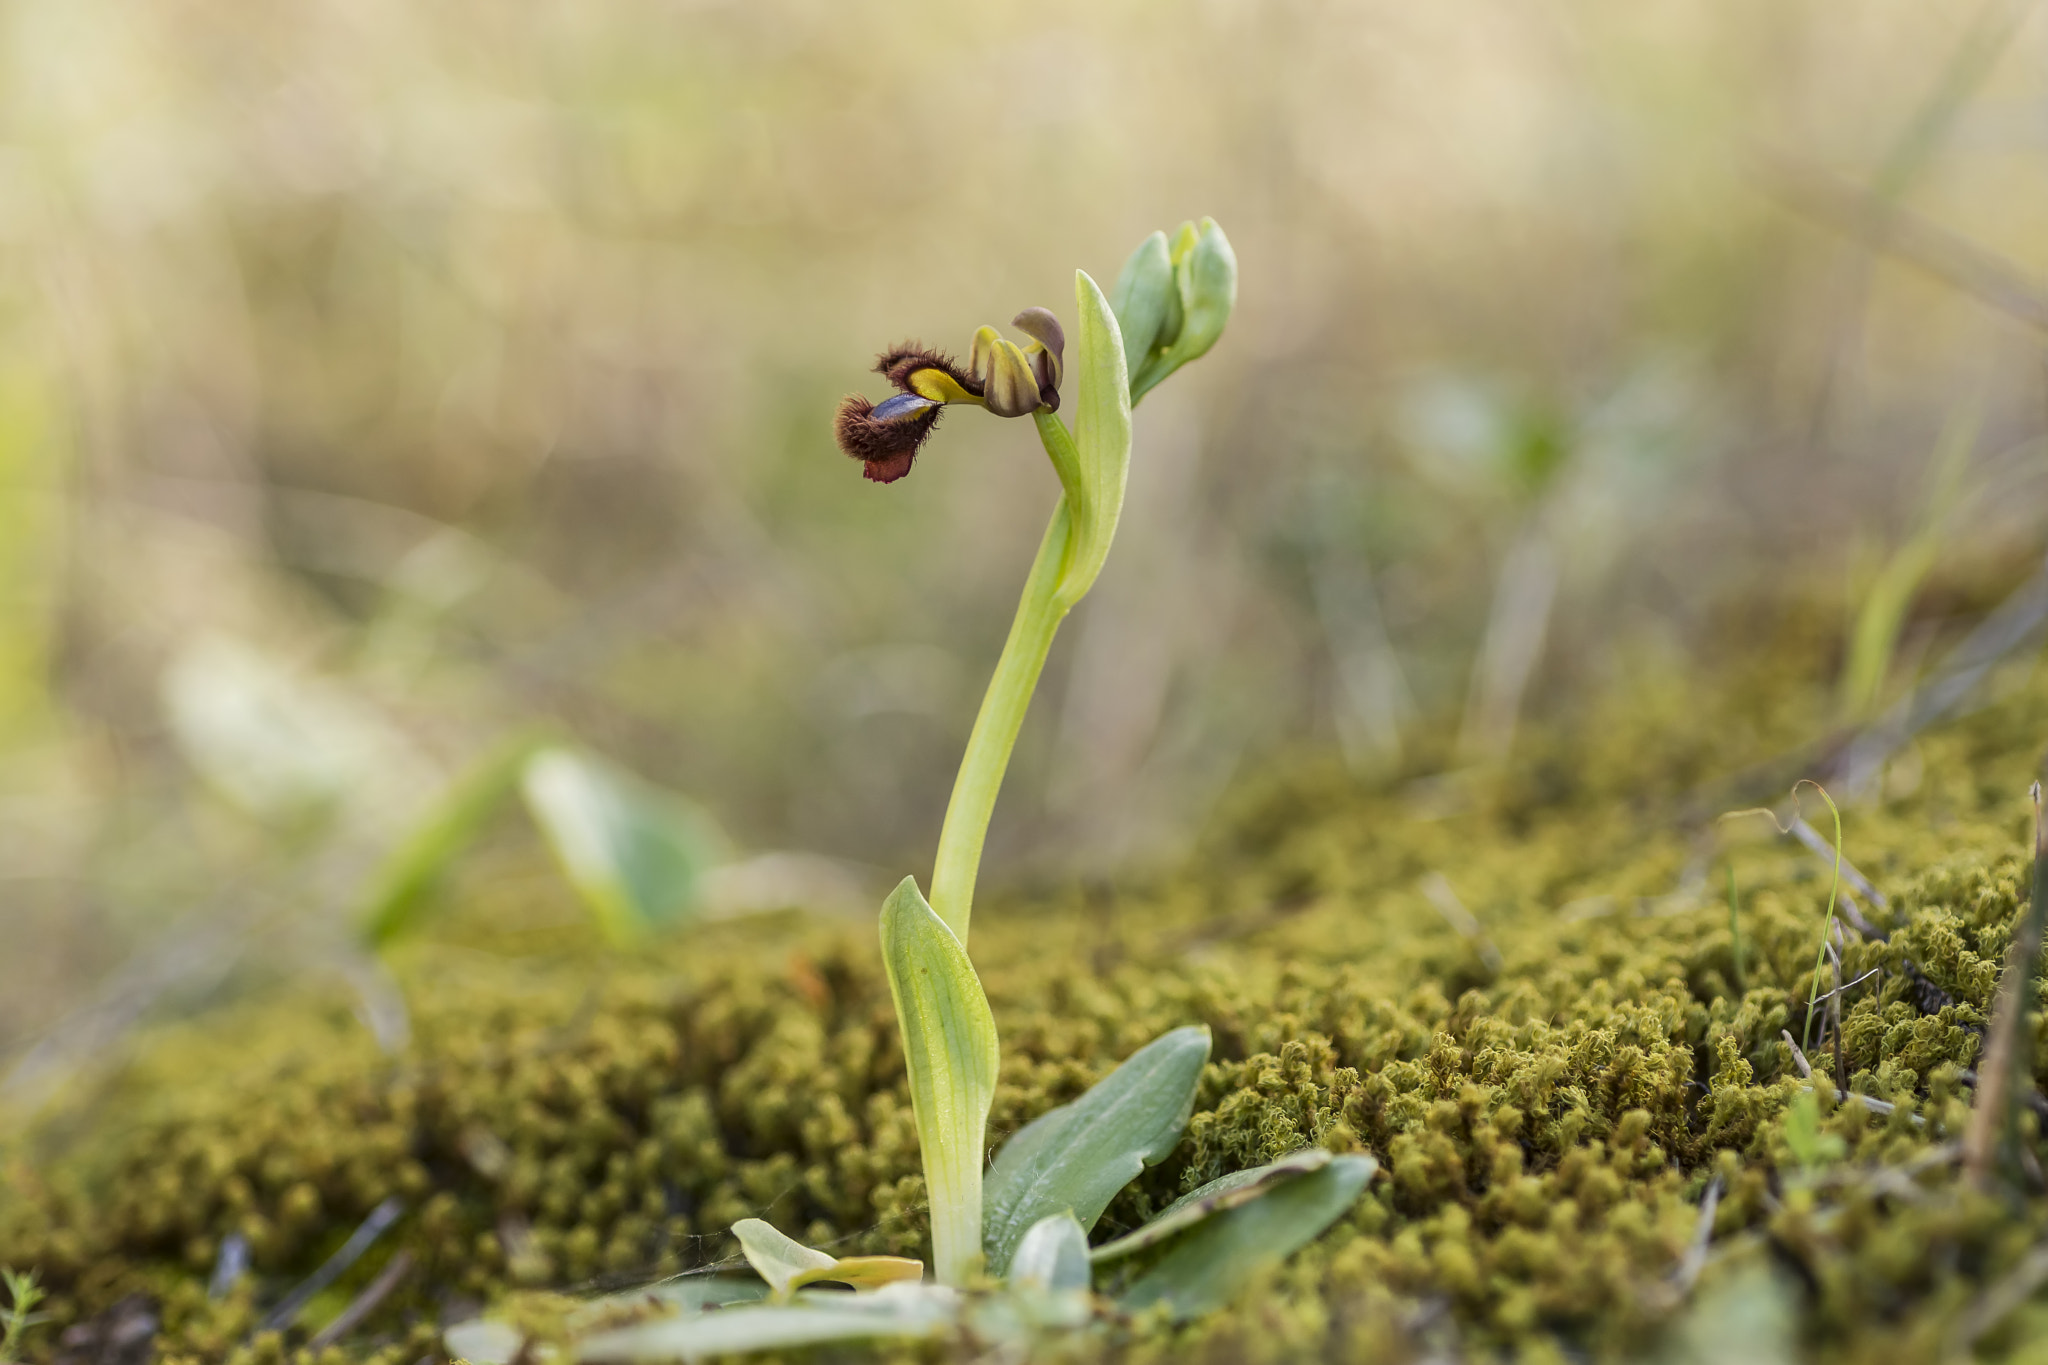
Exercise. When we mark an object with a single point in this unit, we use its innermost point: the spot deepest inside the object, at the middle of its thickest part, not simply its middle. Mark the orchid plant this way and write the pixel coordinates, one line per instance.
(1016, 1233)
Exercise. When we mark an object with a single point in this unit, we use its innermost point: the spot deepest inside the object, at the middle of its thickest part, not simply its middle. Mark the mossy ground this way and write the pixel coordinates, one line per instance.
(569, 1119)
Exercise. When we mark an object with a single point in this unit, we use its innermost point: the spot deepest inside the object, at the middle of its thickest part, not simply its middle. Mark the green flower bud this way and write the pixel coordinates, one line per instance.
(1143, 293)
(1172, 301)
(1207, 277)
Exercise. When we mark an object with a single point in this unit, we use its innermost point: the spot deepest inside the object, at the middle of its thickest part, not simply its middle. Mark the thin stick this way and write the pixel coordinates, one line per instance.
(1997, 1303)
(364, 1303)
(381, 1217)
(1955, 260)
(1813, 839)
(1444, 897)
(1735, 933)
(1695, 1259)
(1835, 1009)
(1798, 1057)
(1994, 1126)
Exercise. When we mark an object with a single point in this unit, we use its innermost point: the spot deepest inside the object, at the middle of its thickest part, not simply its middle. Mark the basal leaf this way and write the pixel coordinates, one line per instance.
(789, 1265)
(1204, 1268)
(1225, 1192)
(776, 1257)
(634, 853)
(899, 1311)
(1077, 1157)
(1102, 439)
(949, 1044)
(1052, 1254)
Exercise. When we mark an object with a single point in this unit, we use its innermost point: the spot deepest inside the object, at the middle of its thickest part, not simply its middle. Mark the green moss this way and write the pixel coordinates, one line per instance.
(570, 1120)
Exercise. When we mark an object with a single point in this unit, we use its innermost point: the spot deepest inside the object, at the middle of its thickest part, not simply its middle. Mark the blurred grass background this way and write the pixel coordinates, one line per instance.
(377, 378)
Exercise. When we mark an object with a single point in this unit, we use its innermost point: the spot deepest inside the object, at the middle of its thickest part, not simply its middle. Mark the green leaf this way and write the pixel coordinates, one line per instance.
(949, 1044)
(1226, 1192)
(1077, 1157)
(1052, 1254)
(1102, 440)
(789, 1265)
(1144, 291)
(776, 1258)
(634, 853)
(899, 1311)
(1812, 1146)
(1206, 1266)
(407, 880)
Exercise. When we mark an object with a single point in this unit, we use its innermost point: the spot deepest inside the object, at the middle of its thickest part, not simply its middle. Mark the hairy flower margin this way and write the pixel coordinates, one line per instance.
(1008, 380)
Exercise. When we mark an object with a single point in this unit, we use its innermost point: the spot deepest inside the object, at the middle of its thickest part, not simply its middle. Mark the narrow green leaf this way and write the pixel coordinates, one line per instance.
(1052, 1254)
(406, 882)
(1143, 291)
(634, 853)
(1077, 1157)
(1225, 1192)
(775, 1256)
(1205, 1267)
(1102, 440)
(949, 1044)
(900, 1311)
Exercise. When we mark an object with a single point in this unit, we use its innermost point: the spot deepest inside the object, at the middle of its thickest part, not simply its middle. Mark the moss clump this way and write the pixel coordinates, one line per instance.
(1547, 1126)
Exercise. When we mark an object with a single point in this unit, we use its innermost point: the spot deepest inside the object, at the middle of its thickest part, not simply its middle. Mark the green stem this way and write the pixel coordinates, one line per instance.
(1009, 696)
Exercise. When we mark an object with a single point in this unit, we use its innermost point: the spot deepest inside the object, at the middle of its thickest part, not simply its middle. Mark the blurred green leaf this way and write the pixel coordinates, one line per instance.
(900, 1310)
(1052, 1254)
(1225, 1192)
(1076, 1157)
(282, 745)
(1750, 1314)
(1874, 640)
(483, 1341)
(406, 881)
(635, 853)
(1811, 1145)
(949, 1044)
(1204, 1268)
